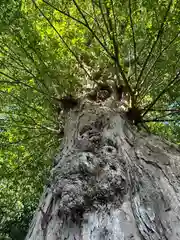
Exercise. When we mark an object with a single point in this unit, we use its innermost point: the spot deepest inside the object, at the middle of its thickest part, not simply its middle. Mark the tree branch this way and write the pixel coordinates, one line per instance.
(20, 63)
(162, 92)
(14, 81)
(86, 24)
(144, 90)
(24, 139)
(165, 110)
(25, 104)
(160, 32)
(116, 57)
(112, 38)
(96, 20)
(90, 29)
(161, 120)
(163, 50)
(104, 20)
(134, 41)
(39, 126)
(62, 39)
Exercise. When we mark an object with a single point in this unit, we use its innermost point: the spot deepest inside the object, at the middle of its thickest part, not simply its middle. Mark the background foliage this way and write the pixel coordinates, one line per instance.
(52, 48)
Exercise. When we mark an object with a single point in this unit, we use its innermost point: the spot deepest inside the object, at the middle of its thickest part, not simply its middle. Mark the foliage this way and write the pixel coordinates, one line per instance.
(52, 48)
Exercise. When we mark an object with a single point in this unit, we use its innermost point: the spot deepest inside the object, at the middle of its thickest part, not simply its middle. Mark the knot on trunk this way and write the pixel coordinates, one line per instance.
(93, 178)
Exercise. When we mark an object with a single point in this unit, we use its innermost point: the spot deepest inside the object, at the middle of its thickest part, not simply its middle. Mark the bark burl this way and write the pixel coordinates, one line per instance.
(110, 182)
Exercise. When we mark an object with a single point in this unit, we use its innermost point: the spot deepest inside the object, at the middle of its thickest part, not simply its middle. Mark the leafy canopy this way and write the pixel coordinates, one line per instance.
(53, 48)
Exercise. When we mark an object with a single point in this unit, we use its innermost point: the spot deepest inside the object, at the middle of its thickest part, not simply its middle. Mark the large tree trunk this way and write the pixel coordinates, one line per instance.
(110, 182)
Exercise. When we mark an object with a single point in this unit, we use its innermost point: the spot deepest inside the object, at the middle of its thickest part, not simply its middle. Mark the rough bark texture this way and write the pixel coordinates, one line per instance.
(110, 182)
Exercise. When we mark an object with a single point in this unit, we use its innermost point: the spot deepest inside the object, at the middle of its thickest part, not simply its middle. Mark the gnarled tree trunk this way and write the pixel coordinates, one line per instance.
(110, 182)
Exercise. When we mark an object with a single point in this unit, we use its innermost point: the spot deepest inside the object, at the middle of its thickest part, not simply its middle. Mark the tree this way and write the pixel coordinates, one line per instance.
(110, 182)
(102, 64)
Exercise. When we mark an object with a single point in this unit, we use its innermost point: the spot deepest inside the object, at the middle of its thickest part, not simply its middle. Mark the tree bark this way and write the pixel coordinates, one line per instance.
(110, 182)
